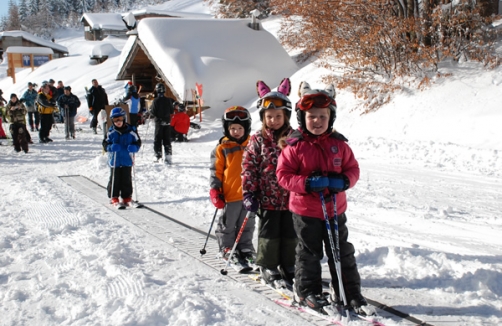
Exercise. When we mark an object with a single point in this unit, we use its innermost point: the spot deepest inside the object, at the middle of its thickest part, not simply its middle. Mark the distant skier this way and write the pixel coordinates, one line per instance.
(132, 99)
(16, 112)
(276, 236)
(29, 97)
(318, 161)
(162, 109)
(97, 99)
(226, 185)
(2, 115)
(46, 107)
(180, 123)
(121, 144)
(68, 104)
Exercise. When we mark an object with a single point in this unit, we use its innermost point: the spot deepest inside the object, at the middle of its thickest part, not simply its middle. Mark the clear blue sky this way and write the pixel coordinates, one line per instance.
(4, 7)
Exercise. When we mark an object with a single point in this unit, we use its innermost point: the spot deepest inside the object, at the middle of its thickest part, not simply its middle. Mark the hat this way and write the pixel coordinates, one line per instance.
(30, 84)
(52, 80)
(13, 95)
(129, 83)
(67, 88)
(45, 82)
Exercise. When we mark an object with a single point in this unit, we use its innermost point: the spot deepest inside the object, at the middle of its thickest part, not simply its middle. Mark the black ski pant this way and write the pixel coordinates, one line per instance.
(46, 122)
(20, 136)
(95, 115)
(277, 240)
(134, 119)
(34, 120)
(122, 182)
(312, 235)
(162, 137)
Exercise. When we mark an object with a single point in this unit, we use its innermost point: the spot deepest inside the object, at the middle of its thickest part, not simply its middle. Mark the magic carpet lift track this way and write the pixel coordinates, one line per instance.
(88, 187)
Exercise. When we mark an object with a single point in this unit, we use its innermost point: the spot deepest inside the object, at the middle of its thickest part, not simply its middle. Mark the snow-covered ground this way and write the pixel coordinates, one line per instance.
(424, 217)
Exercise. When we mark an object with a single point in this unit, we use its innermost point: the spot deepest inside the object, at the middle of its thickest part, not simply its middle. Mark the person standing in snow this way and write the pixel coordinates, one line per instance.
(68, 104)
(29, 97)
(122, 143)
(2, 115)
(162, 109)
(226, 185)
(46, 107)
(180, 123)
(58, 117)
(16, 111)
(97, 99)
(276, 235)
(316, 162)
(132, 99)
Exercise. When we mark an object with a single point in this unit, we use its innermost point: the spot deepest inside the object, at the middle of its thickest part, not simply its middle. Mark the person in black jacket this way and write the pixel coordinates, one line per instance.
(68, 104)
(96, 100)
(162, 109)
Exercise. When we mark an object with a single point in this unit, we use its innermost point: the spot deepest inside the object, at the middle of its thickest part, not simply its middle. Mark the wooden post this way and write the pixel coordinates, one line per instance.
(11, 67)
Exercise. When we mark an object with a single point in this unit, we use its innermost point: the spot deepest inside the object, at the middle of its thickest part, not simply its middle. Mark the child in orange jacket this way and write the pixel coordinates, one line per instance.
(226, 186)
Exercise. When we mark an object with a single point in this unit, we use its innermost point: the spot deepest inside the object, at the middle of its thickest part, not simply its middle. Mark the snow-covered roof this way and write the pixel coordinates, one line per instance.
(160, 12)
(32, 38)
(225, 56)
(108, 21)
(29, 50)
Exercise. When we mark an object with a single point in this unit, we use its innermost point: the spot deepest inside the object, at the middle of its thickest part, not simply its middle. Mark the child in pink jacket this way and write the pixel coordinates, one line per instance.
(318, 161)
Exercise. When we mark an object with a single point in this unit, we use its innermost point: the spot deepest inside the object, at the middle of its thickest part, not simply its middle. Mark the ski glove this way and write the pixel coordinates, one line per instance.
(338, 183)
(115, 148)
(217, 198)
(132, 148)
(316, 184)
(250, 202)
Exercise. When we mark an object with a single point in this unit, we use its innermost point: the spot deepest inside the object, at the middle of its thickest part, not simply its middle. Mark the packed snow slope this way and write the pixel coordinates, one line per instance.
(424, 217)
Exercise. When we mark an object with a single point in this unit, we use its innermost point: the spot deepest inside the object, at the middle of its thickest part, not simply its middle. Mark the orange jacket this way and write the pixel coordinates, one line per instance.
(181, 122)
(226, 168)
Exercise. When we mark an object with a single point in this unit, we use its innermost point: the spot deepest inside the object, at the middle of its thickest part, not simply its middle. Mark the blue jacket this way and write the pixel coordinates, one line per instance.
(134, 102)
(125, 136)
(29, 97)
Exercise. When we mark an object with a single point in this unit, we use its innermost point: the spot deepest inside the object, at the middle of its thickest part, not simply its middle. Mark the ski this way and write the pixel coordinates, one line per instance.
(134, 204)
(119, 206)
(237, 265)
(335, 320)
(288, 295)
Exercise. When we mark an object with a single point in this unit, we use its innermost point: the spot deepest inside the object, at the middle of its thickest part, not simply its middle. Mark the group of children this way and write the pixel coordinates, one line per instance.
(293, 180)
(281, 175)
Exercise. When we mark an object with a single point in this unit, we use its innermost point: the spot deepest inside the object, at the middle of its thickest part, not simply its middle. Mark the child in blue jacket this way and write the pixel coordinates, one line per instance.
(122, 140)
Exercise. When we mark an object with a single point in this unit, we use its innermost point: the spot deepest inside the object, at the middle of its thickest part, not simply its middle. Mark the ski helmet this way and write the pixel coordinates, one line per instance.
(117, 113)
(315, 98)
(274, 100)
(181, 107)
(238, 115)
(160, 88)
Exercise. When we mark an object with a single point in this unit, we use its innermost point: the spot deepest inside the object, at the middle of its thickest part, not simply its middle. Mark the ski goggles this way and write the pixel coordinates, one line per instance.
(318, 100)
(118, 119)
(273, 103)
(236, 113)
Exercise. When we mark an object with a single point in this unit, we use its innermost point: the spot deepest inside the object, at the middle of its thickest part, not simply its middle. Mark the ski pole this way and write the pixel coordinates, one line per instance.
(335, 250)
(248, 215)
(134, 177)
(203, 250)
(113, 173)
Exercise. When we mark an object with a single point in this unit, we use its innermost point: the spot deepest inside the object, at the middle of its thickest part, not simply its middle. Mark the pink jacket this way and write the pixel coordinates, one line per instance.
(307, 155)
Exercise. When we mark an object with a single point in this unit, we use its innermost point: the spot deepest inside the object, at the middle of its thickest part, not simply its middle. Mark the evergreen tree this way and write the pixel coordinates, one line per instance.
(23, 10)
